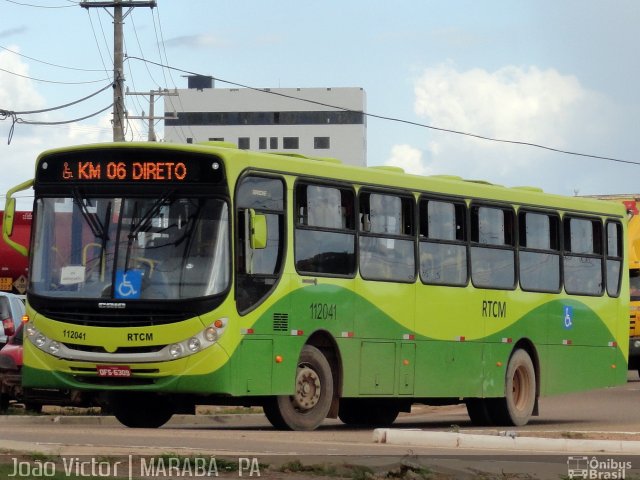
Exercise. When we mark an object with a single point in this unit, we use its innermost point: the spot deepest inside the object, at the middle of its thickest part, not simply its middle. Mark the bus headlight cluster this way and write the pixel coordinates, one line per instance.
(40, 340)
(200, 341)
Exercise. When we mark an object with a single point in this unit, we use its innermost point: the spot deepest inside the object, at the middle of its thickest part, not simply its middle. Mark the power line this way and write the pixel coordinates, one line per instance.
(38, 6)
(53, 81)
(4, 114)
(399, 120)
(47, 63)
(95, 37)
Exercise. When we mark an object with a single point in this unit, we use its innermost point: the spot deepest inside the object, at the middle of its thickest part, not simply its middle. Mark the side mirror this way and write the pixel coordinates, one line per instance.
(9, 214)
(258, 230)
(9, 327)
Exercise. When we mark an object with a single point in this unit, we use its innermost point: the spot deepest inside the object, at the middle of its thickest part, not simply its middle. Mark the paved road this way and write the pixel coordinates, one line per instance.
(234, 436)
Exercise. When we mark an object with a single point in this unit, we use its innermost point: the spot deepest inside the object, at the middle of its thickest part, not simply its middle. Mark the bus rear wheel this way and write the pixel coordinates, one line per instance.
(516, 408)
(140, 410)
(310, 404)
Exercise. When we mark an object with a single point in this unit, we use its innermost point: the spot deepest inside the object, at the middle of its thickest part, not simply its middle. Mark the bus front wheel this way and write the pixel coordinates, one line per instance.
(311, 401)
(140, 410)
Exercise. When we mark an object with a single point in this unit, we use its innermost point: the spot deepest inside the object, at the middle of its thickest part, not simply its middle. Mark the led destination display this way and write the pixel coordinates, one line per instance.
(129, 166)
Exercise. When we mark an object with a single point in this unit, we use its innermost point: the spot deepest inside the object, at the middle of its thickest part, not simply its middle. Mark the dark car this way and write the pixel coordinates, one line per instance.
(11, 390)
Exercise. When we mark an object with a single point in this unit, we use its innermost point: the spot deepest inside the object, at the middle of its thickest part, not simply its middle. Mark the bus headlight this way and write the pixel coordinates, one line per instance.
(40, 340)
(175, 350)
(211, 334)
(54, 347)
(193, 344)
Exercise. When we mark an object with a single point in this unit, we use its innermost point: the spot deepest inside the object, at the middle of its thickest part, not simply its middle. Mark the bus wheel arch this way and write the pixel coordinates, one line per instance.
(314, 395)
(325, 342)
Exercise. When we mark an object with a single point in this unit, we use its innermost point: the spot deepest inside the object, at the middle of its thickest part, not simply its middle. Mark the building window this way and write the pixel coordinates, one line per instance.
(273, 143)
(216, 139)
(244, 143)
(290, 143)
(189, 140)
(262, 143)
(321, 143)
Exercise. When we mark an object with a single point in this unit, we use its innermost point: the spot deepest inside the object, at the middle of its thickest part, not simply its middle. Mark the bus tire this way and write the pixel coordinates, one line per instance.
(516, 408)
(139, 410)
(310, 404)
(369, 412)
(479, 411)
(4, 402)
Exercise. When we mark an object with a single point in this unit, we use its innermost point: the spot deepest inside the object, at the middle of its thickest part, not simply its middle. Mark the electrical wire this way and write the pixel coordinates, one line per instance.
(166, 60)
(53, 81)
(62, 122)
(38, 6)
(95, 37)
(399, 120)
(50, 64)
(4, 114)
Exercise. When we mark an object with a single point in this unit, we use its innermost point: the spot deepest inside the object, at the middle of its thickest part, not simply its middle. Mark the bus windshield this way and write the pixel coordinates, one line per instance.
(164, 247)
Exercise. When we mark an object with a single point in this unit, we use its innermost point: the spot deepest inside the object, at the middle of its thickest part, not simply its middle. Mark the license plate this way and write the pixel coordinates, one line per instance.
(121, 371)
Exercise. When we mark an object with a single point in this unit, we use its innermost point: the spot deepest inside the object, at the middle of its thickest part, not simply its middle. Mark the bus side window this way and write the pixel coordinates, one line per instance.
(386, 241)
(258, 269)
(493, 247)
(539, 252)
(583, 254)
(614, 258)
(325, 230)
(443, 242)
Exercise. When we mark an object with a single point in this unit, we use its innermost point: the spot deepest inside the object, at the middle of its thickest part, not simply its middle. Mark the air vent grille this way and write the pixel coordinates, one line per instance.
(280, 322)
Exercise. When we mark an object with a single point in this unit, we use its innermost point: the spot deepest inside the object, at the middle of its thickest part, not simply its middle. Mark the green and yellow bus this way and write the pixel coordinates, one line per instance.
(168, 276)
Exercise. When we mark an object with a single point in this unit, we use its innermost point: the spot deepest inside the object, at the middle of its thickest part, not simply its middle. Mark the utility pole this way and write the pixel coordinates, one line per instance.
(151, 117)
(118, 57)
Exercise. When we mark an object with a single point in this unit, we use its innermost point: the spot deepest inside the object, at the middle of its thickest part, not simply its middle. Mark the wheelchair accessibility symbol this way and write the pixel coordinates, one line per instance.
(128, 284)
(568, 317)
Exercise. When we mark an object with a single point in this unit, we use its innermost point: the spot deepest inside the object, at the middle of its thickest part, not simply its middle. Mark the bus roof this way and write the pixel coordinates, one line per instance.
(330, 169)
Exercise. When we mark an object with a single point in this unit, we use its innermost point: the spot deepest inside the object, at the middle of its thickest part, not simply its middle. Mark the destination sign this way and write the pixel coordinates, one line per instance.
(160, 171)
(147, 166)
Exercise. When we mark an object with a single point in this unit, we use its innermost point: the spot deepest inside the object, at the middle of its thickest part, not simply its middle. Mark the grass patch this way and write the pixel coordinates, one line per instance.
(405, 471)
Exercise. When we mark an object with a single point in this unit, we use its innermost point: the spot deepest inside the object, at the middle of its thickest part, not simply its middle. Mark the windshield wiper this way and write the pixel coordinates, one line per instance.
(97, 228)
(134, 229)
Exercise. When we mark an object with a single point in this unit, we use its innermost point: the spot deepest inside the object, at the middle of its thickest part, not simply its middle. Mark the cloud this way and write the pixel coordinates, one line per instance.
(17, 159)
(13, 31)
(202, 40)
(525, 104)
(409, 159)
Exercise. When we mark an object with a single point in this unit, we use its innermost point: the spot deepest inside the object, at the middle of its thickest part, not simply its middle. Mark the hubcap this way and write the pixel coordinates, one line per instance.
(308, 389)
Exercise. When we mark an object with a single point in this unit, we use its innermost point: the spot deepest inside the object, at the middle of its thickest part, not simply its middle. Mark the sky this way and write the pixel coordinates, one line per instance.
(562, 74)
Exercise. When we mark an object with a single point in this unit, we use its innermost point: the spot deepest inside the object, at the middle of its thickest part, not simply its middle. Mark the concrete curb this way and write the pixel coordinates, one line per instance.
(492, 442)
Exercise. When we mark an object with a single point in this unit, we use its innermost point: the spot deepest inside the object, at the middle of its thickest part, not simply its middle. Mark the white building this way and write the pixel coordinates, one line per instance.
(296, 120)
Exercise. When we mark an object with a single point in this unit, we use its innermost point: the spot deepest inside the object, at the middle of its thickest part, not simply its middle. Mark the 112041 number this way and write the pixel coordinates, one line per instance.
(323, 311)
